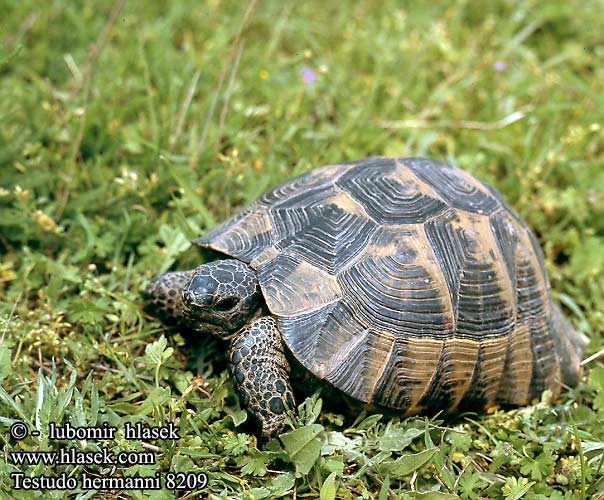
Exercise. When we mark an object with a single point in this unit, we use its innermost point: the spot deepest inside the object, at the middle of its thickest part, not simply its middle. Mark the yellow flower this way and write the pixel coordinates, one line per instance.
(263, 74)
(21, 194)
(45, 221)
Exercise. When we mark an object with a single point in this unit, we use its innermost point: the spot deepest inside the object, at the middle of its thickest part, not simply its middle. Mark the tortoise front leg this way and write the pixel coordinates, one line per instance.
(261, 372)
(163, 296)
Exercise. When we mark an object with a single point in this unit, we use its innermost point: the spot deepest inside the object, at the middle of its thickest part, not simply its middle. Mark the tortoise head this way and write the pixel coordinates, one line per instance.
(221, 297)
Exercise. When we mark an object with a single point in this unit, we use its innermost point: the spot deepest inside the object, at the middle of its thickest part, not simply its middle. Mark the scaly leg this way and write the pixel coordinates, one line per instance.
(163, 296)
(261, 372)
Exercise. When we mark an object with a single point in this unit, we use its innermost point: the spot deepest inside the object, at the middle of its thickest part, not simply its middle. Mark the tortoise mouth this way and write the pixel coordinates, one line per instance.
(213, 329)
(218, 321)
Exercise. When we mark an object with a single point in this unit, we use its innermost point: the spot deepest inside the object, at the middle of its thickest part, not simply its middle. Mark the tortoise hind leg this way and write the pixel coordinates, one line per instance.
(163, 296)
(569, 344)
(262, 374)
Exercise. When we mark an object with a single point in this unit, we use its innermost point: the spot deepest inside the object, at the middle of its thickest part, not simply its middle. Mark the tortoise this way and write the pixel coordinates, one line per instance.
(405, 283)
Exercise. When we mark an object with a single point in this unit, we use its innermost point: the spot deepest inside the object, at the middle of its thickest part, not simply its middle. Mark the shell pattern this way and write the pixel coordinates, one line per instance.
(404, 282)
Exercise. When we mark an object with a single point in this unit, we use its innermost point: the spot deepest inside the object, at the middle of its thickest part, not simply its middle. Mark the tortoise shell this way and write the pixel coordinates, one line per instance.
(406, 283)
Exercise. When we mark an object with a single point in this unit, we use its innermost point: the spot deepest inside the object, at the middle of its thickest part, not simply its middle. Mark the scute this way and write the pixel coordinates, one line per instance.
(404, 282)
(455, 186)
(263, 223)
(244, 236)
(390, 193)
(324, 234)
(478, 281)
(292, 285)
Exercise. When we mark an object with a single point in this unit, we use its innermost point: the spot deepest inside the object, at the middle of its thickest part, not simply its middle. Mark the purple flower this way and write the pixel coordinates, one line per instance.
(499, 65)
(308, 75)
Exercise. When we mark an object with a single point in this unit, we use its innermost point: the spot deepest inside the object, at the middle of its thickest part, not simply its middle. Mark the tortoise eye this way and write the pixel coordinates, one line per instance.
(226, 304)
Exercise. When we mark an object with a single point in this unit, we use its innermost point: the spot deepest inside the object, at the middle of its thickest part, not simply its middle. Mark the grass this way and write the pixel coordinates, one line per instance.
(126, 130)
